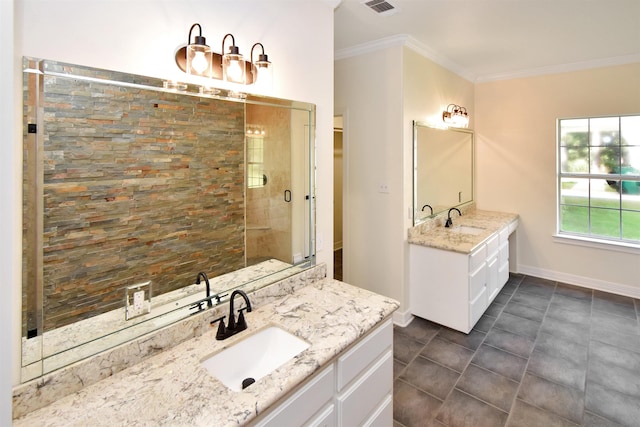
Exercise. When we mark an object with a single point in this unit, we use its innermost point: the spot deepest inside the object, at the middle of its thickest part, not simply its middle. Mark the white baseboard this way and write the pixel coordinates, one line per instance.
(402, 319)
(585, 282)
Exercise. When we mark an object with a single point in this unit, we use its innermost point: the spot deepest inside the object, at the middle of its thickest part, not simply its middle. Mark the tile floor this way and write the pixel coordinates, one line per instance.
(543, 354)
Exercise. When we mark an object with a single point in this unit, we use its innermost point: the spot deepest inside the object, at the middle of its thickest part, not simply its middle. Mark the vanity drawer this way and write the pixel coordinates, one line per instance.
(493, 243)
(512, 226)
(504, 234)
(363, 354)
(364, 397)
(477, 257)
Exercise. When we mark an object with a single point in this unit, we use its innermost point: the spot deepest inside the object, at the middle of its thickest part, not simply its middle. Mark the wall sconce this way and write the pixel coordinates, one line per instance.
(456, 116)
(198, 59)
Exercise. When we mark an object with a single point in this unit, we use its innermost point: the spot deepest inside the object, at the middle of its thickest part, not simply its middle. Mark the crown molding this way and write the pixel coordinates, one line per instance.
(411, 43)
(561, 68)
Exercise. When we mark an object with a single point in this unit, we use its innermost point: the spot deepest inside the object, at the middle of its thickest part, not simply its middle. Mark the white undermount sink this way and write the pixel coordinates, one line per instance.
(467, 229)
(257, 355)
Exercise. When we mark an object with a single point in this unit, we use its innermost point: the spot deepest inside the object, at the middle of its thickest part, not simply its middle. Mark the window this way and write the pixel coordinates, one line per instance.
(599, 178)
(255, 158)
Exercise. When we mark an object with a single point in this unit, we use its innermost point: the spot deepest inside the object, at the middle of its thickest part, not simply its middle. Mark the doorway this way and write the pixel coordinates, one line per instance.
(338, 184)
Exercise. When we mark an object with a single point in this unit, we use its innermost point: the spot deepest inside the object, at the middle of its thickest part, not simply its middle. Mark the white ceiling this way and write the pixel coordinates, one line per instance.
(495, 39)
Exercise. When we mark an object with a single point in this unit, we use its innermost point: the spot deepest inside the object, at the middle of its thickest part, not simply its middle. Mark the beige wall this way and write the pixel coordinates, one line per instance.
(368, 93)
(516, 166)
(380, 93)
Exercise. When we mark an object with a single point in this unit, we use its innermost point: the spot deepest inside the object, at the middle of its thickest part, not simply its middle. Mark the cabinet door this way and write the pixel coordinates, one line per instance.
(492, 278)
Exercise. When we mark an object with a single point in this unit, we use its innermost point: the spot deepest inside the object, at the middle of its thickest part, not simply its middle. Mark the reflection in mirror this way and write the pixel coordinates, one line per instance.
(443, 169)
(132, 189)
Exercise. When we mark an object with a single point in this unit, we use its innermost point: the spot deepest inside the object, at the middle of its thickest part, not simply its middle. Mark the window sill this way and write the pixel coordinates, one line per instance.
(610, 245)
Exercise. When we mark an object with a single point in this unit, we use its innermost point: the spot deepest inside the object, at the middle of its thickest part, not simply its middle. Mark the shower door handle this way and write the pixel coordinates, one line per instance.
(287, 196)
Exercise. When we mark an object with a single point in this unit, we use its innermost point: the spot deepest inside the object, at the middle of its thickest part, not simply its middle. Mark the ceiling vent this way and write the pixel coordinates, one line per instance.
(381, 7)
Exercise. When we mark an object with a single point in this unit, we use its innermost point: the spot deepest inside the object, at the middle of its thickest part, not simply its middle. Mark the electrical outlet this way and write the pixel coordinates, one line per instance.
(383, 187)
(137, 300)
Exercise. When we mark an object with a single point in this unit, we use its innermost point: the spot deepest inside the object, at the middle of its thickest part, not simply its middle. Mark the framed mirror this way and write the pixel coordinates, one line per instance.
(442, 169)
(133, 186)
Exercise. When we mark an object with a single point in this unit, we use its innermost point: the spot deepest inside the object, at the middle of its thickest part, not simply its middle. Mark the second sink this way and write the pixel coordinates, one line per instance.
(254, 357)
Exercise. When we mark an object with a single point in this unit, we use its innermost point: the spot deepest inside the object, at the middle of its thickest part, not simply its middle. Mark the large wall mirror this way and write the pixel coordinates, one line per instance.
(134, 185)
(442, 169)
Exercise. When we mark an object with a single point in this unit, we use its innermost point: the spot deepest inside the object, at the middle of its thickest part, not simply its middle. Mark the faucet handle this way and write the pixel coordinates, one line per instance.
(222, 331)
(241, 324)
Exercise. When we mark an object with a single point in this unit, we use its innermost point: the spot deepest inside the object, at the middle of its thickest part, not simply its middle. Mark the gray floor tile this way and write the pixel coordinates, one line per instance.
(614, 355)
(616, 378)
(559, 312)
(559, 347)
(502, 298)
(494, 309)
(488, 387)
(535, 301)
(525, 311)
(471, 341)
(558, 370)
(510, 287)
(614, 304)
(430, 377)
(563, 401)
(542, 289)
(462, 410)
(412, 407)
(517, 325)
(448, 354)
(593, 420)
(499, 361)
(405, 348)
(398, 368)
(568, 331)
(615, 338)
(573, 291)
(581, 305)
(420, 329)
(485, 323)
(507, 341)
(616, 323)
(525, 415)
(614, 406)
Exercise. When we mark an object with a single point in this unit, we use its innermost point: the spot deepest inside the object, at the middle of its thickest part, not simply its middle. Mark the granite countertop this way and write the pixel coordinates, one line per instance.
(437, 236)
(172, 388)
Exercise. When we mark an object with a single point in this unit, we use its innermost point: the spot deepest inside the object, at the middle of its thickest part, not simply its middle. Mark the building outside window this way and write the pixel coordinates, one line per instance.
(255, 157)
(599, 178)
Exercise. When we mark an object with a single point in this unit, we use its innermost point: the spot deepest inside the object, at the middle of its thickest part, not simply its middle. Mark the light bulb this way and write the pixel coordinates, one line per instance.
(199, 62)
(234, 71)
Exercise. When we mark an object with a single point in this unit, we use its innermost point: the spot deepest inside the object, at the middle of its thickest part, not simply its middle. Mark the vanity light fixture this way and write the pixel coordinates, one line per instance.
(199, 55)
(456, 116)
(198, 59)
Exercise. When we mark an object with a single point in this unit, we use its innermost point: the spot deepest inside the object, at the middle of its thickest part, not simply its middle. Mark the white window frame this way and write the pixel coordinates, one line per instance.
(581, 239)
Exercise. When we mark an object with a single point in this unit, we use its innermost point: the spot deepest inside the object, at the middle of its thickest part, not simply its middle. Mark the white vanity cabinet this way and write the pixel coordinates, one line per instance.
(454, 289)
(354, 390)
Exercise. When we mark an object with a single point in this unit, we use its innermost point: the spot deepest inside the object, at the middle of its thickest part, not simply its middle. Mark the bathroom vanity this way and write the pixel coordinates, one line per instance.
(457, 271)
(344, 377)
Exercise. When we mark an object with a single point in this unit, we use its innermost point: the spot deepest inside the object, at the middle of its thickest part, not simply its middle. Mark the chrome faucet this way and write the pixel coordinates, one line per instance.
(428, 206)
(449, 222)
(234, 326)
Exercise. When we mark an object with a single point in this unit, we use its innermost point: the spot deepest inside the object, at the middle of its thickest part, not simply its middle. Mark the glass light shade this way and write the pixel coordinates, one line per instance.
(199, 59)
(263, 75)
(233, 68)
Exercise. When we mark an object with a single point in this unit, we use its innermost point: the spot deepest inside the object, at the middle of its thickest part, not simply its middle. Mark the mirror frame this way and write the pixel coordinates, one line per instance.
(33, 367)
(416, 125)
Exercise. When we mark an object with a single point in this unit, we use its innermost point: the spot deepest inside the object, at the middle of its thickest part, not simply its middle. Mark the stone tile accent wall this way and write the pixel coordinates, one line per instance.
(139, 185)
